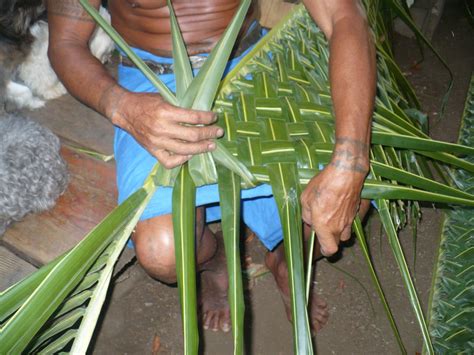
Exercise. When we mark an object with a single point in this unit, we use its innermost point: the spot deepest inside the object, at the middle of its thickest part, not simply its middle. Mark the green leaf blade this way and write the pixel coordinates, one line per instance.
(202, 91)
(285, 186)
(66, 274)
(184, 215)
(182, 66)
(229, 193)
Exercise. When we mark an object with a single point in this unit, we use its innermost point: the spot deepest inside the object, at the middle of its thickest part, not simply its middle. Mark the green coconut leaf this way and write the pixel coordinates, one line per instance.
(13, 297)
(284, 181)
(202, 91)
(229, 195)
(382, 207)
(416, 143)
(184, 215)
(451, 303)
(277, 112)
(359, 232)
(181, 63)
(67, 273)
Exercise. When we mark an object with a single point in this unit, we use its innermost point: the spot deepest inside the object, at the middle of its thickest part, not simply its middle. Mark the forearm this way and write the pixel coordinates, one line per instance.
(81, 73)
(352, 72)
(87, 79)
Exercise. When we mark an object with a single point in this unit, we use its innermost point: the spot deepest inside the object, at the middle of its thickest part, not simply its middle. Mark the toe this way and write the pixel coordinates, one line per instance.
(206, 320)
(211, 321)
(225, 321)
(320, 303)
(215, 322)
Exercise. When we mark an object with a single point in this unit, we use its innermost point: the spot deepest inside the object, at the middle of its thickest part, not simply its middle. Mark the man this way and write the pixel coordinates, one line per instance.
(148, 128)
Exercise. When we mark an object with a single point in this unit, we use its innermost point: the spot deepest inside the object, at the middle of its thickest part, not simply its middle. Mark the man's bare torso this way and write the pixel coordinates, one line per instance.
(145, 23)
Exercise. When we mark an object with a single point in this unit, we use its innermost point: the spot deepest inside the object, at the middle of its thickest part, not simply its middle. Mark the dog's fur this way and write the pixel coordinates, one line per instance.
(26, 76)
(32, 172)
(16, 17)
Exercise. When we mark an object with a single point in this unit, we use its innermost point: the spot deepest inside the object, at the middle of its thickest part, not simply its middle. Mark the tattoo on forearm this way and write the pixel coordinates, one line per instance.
(350, 155)
(356, 143)
(349, 166)
(70, 9)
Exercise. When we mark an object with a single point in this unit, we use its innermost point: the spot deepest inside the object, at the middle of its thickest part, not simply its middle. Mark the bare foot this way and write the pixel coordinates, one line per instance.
(213, 294)
(318, 309)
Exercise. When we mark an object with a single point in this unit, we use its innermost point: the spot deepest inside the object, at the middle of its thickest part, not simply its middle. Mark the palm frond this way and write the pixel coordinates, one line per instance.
(451, 306)
(59, 295)
(277, 112)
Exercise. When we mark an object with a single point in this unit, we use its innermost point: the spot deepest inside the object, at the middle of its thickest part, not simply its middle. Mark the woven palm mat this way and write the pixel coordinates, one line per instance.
(452, 305)
(278, 104)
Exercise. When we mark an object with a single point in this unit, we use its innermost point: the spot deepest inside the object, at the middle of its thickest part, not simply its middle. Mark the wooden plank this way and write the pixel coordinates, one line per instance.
(12, 268)
(90, 196)
(75, 122)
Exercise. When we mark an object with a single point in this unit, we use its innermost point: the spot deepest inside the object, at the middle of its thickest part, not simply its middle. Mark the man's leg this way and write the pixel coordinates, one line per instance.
(154, 246)
(275, 261)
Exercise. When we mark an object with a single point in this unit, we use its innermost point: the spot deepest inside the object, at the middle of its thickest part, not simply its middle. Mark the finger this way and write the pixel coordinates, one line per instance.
(327, 239)
(195, 134)
(306, 215)
(170, 161)
(182, 115)
(346, 234)
(363, 208)
(306, 211)
(185, 148)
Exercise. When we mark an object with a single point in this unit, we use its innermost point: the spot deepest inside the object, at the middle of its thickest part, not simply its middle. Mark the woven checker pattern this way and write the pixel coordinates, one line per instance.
(277, 113)
(281, 113)
(452, 308)
(278, 109)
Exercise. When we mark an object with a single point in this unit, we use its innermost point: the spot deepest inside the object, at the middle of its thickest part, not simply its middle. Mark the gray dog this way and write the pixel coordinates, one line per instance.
(32, 172)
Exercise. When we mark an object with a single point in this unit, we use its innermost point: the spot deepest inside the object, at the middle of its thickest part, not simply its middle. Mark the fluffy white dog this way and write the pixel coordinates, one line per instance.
(35, 81)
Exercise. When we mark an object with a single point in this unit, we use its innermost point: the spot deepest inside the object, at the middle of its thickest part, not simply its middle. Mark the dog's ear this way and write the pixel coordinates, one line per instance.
(16, 17)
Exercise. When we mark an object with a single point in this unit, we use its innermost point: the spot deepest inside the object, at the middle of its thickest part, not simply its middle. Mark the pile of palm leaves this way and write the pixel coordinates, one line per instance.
(276, 109)
(452, 304)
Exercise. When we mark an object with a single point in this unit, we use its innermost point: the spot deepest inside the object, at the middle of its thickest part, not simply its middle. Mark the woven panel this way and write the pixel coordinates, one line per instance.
(452, 308)
(276, 108)
(281, 112)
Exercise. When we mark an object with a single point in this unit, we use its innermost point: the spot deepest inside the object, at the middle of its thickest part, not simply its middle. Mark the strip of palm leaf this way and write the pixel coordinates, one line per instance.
(288, 132)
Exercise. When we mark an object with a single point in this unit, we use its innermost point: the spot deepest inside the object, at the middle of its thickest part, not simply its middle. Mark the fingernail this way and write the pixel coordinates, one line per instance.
(211, 146)
(220, 132)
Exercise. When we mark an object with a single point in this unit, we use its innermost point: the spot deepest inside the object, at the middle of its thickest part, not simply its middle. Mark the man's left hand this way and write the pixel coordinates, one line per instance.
(330, 203)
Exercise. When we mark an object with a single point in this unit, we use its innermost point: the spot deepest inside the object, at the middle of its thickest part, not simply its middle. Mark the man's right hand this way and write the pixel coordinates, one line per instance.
(171, 134)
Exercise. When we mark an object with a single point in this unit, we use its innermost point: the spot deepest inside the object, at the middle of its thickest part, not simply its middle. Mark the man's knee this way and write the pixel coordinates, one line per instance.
(154, 246)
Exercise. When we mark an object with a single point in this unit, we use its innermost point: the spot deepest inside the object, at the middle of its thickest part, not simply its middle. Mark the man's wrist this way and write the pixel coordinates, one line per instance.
(351, 155)
(110, 103)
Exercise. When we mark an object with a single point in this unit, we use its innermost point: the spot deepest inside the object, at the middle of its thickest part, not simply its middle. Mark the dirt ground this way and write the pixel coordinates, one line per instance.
(143, 315)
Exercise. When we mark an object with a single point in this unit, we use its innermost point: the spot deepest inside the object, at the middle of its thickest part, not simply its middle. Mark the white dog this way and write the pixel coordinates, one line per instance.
(35, 81)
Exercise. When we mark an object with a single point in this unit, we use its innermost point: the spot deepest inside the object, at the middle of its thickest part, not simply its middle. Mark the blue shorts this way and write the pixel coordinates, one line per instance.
(134, 163)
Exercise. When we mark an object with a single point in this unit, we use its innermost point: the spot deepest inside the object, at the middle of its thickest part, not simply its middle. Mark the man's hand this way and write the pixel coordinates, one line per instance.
(168, 132)
(332, 198)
